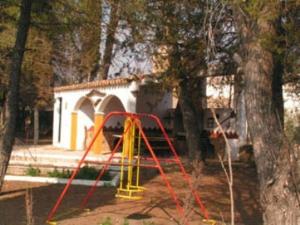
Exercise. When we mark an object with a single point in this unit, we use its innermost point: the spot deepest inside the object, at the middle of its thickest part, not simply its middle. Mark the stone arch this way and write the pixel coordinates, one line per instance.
(114, 126)
(79, 103)
(82, 120)
(110, 103)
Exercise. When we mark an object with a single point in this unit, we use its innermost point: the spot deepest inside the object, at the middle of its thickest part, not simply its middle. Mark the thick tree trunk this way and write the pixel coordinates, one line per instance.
(2, 111)
(277, 90)
(190, 122)
(110, 39)
(240, 109)
(199, 100)
(14, 79)
(275, 164)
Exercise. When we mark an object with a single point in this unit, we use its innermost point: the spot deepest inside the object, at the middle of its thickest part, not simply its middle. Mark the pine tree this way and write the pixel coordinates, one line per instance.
(7, 140)
(261, 28)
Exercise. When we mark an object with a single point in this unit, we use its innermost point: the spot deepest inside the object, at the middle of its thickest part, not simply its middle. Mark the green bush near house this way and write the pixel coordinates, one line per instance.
(86, 173)
(60, 174)
(91, 173)
(34, 172)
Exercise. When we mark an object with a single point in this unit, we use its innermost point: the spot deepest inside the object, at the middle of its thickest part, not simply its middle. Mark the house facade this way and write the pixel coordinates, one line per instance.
(80, 108)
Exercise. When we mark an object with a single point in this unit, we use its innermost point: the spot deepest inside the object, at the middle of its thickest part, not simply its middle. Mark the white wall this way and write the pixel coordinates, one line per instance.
(71, 101)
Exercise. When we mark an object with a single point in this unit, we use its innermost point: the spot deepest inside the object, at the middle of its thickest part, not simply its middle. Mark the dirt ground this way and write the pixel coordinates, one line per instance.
(156, 208)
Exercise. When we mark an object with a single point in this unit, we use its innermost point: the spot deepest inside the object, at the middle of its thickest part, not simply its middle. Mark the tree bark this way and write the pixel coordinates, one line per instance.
(110, 39)
(277, 83)
(190, 122)
(199, 100)
(240, 109)
(275, 161)
(14, 80)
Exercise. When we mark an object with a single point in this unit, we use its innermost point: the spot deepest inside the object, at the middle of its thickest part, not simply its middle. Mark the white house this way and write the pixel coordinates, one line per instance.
(80, 107)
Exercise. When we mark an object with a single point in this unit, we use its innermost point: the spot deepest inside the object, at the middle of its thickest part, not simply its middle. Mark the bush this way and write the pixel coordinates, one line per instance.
(60, 174)
(34, 172)
(91, 173)
(86, 173)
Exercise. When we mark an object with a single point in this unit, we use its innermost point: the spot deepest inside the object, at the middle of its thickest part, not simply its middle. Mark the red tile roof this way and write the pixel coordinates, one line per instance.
(98, 83)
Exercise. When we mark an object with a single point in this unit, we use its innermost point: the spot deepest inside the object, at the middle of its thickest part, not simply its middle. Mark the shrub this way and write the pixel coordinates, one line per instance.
(91, 173)
(60, 174)
(31, 171)
(86, 172)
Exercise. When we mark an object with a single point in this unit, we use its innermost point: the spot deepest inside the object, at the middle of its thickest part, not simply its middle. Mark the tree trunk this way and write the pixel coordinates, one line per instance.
(190, 122)
(277, 83)
(14, 79)
(36, 126)
(275, 164)
(2, 111)
(199, 101)
(110, 39)
(240, 109)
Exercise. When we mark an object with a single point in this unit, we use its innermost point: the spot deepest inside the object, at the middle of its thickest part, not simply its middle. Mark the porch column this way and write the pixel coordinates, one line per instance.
(98, 144)
(73, 141)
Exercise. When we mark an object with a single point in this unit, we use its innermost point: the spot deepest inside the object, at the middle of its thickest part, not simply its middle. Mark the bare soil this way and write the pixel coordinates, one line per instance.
(155, 208)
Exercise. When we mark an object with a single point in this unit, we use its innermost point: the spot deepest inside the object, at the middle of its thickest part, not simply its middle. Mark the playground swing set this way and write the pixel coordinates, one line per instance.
(130, 163)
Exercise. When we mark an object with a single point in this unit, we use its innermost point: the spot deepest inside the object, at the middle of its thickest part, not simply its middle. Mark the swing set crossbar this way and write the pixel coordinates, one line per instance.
(137, 122)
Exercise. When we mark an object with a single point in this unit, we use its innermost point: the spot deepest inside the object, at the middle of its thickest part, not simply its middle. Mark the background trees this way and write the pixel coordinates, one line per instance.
(264, 45)
(79, 40)
(7, 140)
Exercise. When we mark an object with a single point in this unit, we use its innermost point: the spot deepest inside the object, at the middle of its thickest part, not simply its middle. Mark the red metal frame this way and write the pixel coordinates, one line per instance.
(154, 159)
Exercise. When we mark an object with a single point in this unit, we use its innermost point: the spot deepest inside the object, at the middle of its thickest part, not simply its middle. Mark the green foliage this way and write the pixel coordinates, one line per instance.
(36, 79)
(91, 173)
(86, 173)
(34, 172)
(76, 42)
(60, 174)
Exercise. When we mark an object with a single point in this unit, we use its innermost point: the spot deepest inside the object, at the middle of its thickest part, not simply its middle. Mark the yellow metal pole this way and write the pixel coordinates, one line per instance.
(130, 155)
(138, 160)
(124, 150)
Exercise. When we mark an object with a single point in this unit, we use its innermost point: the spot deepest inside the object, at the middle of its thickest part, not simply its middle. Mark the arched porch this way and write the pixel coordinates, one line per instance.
(87, 116)
(114, 125)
